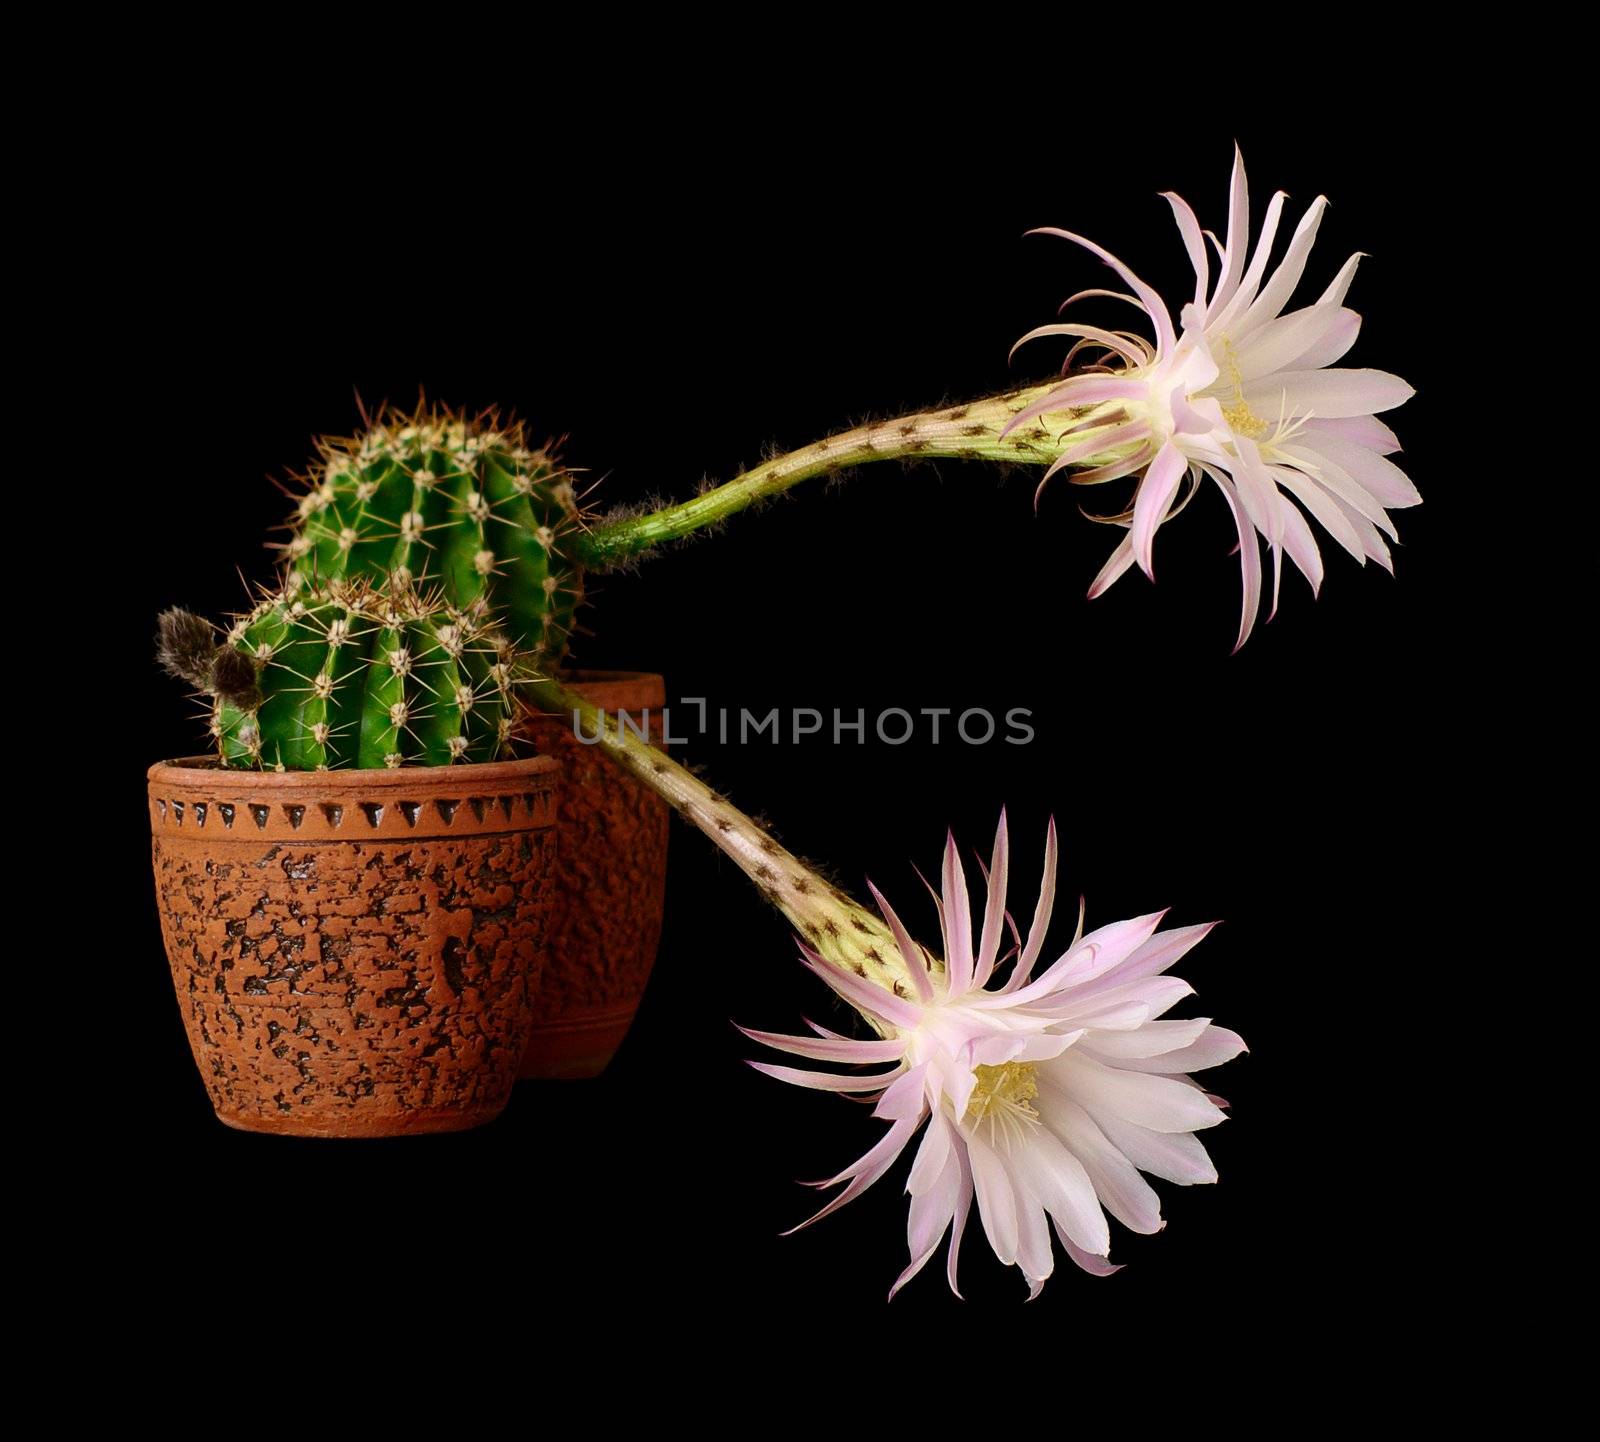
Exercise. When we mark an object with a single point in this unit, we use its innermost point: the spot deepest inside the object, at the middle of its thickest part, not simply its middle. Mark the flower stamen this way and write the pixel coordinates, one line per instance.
(1242, 421)
(1003, 1096)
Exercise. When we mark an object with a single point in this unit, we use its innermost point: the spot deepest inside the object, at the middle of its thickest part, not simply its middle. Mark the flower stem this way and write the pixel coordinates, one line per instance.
(967, 431)
(841, 931)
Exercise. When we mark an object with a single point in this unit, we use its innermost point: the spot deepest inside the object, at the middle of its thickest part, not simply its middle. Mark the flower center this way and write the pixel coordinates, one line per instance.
(1003, 1094)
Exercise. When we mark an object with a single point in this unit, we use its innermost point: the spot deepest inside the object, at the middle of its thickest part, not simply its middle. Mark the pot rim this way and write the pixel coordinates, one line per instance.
(582, 675)
(192, 768)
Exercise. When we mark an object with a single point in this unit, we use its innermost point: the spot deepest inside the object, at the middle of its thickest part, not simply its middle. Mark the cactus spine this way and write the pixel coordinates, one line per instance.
(437, 501)
(350, 674)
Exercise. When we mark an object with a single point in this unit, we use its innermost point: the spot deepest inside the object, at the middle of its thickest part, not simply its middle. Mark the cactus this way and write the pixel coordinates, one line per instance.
(350, 674)
(439, 501)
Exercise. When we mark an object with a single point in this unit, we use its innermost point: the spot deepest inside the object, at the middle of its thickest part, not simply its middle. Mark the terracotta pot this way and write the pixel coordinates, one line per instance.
(355, 952)
(610, 888)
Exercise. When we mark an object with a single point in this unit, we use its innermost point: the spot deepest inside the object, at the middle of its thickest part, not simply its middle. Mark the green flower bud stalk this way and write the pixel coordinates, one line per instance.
(350, 675)
(440, 502)
(842, 932)
(975, 431)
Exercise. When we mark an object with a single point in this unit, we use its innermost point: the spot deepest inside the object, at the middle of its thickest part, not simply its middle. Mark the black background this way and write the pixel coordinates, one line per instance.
(677, 288)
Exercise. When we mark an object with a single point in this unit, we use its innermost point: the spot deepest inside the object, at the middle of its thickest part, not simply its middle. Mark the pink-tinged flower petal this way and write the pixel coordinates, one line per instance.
(1109, 1017)
(1098, 291)
(1198, 418)
(1107, 338)
(1215, 1045)
(1373, 473)
(1118, 1185)
(931, 1213)
(938, 904)
(994, 907)
(910, 952)
(1277, 344)
(963, 1209)
(904, 1099)
(933, 1156)
(821, 1030)
(1156, 1102)
(1249, 557)
(1371, 541)
(1057, 1178)
(1261, 501)
(1324, 509)
(994, 1049)
(1150, 505)
(824, 1081)
(1042, 912)
(864, 995)
(1152, 1039)
(1277, 568)
(1116, 566)
(1340, 286)
(866, 1171)
(1104, 948)
(1091, 1005)
(1327, 393)
(1233, 253)
(1164, 949)
(1116, 470)
(1333, 345)
(1193, 242)
(1224, 320)
(1276, 292)
(997, 1202)
(957, 1087)
(1366, 431)
(1154, 306)
(918, 1262)
(1095, 1266)
(1334, 479)
(822, 1049)
(1034, 1257)
(1302, 547)
(1021, 1046)
(957, 921)
(1177, 1157)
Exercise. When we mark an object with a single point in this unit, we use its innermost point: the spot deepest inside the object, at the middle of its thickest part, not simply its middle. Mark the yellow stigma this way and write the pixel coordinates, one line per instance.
(1003, 1092)
(1242, 421)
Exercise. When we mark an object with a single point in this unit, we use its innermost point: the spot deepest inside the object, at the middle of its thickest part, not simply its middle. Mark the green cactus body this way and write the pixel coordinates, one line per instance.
(439, 502)
(352, 675)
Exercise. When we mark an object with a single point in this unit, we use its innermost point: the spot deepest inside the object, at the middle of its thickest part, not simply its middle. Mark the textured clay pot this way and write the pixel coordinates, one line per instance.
(356, 952)
(610, 888)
